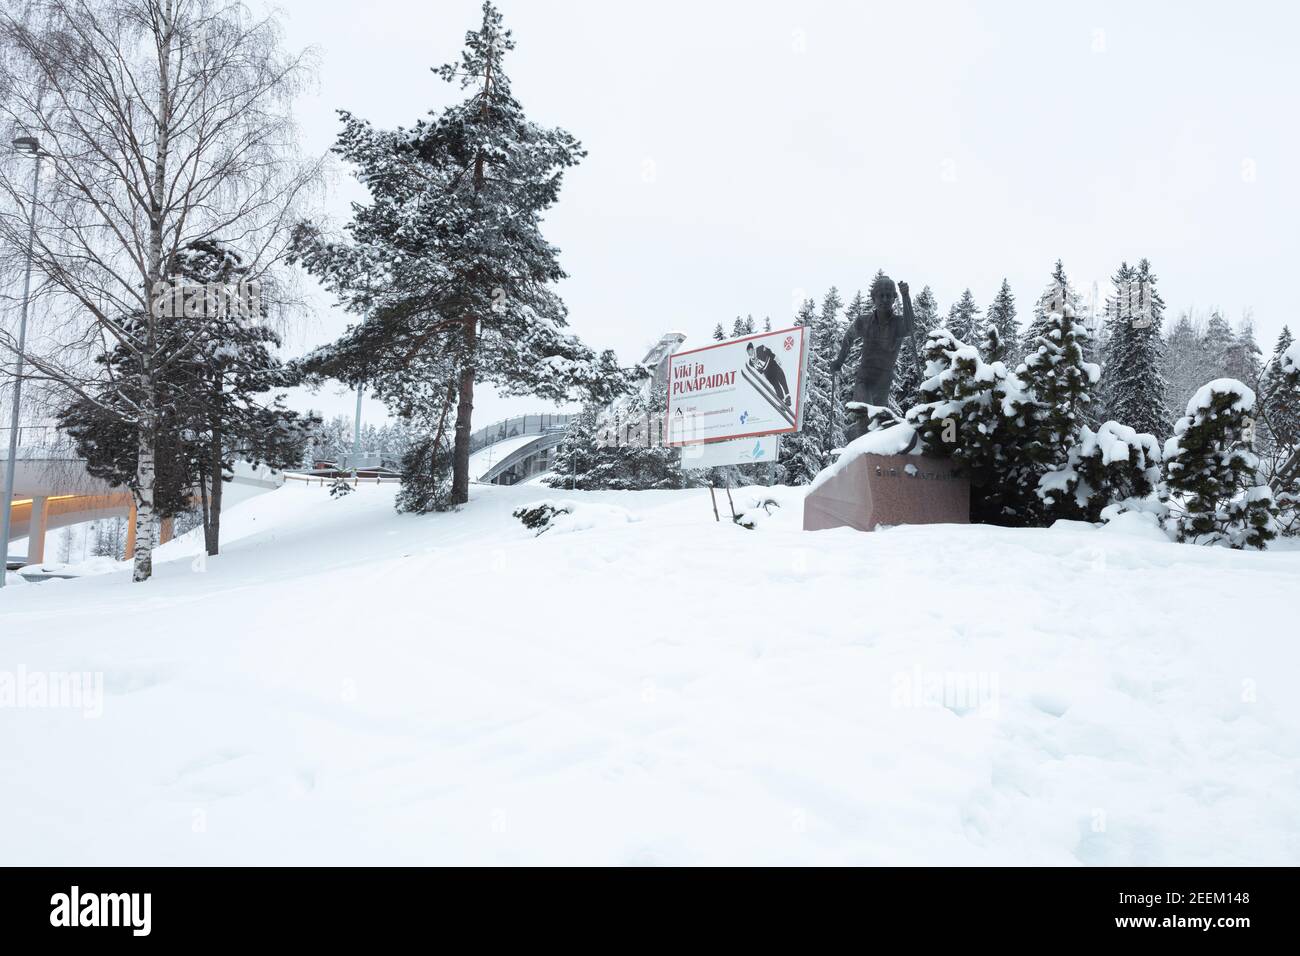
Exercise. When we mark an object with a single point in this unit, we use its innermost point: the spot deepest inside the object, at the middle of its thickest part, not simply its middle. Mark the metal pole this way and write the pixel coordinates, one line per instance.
(7, 504)
(356, 433)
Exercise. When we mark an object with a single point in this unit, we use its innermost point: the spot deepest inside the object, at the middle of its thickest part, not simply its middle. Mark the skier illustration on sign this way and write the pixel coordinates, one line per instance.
(763, 359)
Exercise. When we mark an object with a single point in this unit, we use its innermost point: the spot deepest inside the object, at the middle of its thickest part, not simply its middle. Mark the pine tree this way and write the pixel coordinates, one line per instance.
(805, 453)
(738, 328)
(1285, 470)
(964, 320)
(1109, 466)
(447, 263)
(1211, 487)
(1183, 362)
(719, 335)
(1001, 319)
(1217, 343)
(218, 404)
(576, 455)
(767, 323)
(828, 331)
(1058, 292)
(1279, 406)
(1134, 388)
(977, 415)
(1060, 381)
(1242, 359)
(908, 370)
(591, 464)
(749, 326)
(994, 348)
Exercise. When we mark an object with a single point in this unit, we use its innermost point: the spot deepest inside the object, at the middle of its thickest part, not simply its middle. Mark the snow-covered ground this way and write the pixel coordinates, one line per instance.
(345, 685)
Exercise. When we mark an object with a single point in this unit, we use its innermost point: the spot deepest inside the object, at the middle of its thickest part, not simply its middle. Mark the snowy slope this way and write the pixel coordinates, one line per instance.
(344, 684)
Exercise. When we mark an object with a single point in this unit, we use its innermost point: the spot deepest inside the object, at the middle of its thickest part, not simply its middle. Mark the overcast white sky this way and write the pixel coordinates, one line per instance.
(744, 155)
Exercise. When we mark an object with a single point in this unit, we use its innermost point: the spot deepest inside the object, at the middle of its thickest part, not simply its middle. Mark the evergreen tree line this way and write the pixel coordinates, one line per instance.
(333, 441)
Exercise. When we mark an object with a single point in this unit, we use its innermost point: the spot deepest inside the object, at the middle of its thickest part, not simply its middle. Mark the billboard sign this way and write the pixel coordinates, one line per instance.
(743, 388)
(739, 451)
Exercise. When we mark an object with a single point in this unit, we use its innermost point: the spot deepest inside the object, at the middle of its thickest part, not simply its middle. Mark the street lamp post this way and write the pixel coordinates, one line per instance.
(31, 146)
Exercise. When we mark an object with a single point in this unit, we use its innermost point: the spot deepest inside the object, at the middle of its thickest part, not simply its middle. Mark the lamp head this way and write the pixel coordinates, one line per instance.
(27, 144)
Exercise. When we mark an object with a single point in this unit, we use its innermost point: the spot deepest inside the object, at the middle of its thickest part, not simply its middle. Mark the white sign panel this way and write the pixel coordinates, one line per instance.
(739, 451)
(742, 388)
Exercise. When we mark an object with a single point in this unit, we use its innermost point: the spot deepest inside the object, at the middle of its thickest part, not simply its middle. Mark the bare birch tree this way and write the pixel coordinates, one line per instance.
(162, 123)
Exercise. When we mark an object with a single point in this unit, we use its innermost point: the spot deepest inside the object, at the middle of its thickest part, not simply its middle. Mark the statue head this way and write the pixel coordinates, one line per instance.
(883, 293)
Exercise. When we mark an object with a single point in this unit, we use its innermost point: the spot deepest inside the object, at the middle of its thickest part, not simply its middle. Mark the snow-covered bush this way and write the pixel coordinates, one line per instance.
(341, 487)
(1211, 486)
(1105, 467)
(564, 516)
(539, 515)
(976, 414)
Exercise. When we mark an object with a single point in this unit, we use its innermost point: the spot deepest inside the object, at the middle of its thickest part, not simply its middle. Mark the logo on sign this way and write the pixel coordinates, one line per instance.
(789, 342)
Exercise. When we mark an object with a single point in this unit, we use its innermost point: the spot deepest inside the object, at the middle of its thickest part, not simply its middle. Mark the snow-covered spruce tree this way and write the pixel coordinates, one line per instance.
(804, 454)
(719, 335)
(1133, 383)
(1061, 383)
(1058, 292)
(1279, 414)
(828, 331)
(426, 477)
(1243, 359)
(1285, 477)
(1111, 465)
(1217, 342)
(1183, 362)
(977, 415)
(578, 451)
(1211, 487)
(231, 410)
(1001, 318)
(218, 399)
(627, 464)
(993, 347)
(964, 319)
(447, 263)
(909, 369)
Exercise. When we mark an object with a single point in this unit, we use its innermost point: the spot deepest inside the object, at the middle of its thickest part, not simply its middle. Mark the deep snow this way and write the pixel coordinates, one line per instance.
(344, 684)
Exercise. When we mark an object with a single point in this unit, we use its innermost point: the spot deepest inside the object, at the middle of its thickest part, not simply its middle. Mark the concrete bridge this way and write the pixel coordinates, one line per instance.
(53, 490)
